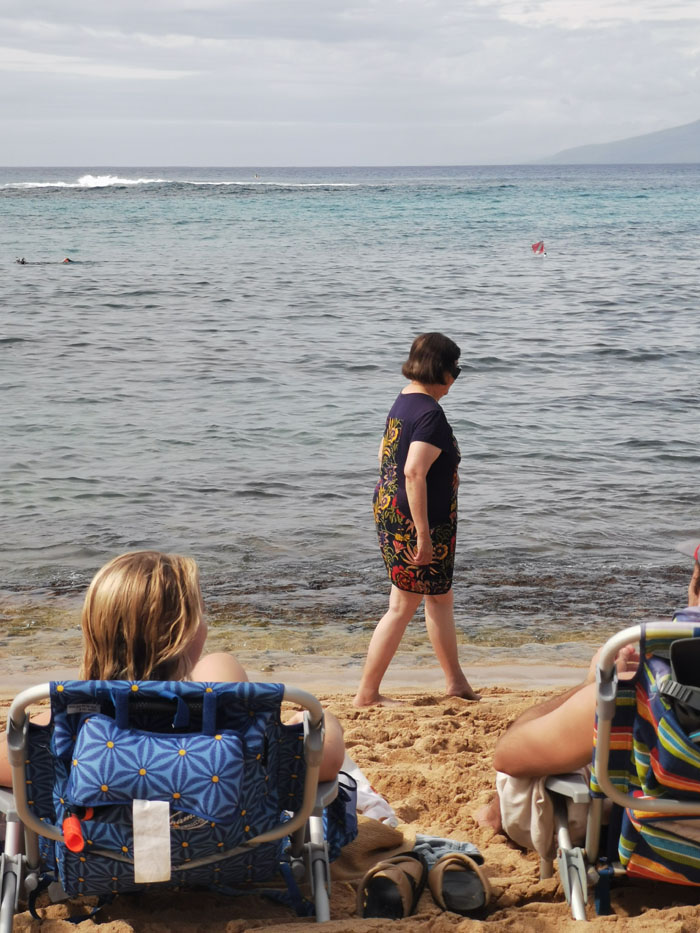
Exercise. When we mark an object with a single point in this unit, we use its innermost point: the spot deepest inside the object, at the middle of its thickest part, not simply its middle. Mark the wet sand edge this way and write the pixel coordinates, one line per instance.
(527, 676)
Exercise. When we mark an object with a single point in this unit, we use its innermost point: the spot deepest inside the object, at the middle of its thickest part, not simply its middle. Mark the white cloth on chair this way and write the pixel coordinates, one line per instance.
(527, 813)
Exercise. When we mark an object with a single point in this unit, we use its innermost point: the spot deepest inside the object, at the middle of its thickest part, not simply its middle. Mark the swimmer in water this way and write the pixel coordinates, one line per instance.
(67, 260)
(21, 261)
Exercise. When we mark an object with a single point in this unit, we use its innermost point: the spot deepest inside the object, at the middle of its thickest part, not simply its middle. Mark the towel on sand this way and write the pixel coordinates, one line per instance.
(374, 841)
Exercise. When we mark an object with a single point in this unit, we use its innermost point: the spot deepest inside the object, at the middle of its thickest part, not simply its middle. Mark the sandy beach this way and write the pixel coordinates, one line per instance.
(431, 759)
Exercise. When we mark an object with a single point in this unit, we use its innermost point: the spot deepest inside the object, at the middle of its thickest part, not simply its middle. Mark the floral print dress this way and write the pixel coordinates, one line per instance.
(416, 416)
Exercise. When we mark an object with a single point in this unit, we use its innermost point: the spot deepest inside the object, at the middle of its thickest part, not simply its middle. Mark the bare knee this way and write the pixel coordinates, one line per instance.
(403, 604)
(398, 618)
(439, 609)
(440, 599)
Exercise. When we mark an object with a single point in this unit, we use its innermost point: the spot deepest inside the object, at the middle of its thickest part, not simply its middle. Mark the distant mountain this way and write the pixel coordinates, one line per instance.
(679, 144)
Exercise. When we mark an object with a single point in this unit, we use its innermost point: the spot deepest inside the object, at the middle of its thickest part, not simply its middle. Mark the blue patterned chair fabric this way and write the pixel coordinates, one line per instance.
(217, 752)
(652, 756)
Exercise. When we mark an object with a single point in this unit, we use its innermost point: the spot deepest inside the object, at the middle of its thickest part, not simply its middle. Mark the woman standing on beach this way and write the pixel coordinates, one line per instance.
(415, 510)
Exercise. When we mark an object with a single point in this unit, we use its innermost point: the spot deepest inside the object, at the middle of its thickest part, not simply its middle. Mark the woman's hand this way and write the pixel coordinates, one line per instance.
(626, 662)
(422, 553)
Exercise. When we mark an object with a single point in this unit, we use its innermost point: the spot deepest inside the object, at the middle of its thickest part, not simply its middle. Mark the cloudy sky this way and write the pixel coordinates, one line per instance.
(337, 82)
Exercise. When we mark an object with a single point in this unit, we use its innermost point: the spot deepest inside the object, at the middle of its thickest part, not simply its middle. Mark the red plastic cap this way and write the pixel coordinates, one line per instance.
(73, 834)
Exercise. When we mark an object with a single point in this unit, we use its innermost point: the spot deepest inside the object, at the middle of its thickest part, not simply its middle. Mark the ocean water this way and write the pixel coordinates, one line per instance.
(211, 374)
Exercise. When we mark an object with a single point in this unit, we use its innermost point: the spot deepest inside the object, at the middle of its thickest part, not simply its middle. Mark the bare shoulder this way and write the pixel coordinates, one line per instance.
(219, 667)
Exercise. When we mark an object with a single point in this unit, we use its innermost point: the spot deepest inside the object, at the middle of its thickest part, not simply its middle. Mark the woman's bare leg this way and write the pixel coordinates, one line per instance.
(440, 623)
(386, 638)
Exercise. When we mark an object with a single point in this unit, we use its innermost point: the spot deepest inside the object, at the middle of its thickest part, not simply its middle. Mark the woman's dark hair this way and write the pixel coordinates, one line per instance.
(431, 356)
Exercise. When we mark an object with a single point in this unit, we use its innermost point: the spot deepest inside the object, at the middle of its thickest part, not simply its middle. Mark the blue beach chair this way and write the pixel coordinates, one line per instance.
(168, 784)
(646, 762)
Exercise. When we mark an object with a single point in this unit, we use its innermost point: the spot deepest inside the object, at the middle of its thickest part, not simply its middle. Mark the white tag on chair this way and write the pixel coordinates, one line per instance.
(151, 840)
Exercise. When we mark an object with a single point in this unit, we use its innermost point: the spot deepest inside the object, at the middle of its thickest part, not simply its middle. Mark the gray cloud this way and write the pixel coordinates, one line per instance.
(300, 82)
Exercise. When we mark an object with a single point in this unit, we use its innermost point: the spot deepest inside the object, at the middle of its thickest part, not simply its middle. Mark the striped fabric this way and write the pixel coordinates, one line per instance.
(652, 756)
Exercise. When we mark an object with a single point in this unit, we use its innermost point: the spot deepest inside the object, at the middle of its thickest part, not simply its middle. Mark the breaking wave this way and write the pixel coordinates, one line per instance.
(115, 181)
(88, 181)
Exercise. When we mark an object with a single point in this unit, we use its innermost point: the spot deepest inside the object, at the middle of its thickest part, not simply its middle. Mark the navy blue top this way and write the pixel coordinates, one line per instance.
(415, 416)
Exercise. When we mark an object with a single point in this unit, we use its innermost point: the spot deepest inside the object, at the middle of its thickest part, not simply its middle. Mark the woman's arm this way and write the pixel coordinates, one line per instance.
(333, 745)
(5, 772)
(551, 738)
(421, 457)
(41, 719)
(556, 735)
(333, 748)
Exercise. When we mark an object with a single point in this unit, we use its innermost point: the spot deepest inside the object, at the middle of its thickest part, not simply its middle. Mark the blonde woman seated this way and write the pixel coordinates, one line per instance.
(143, 619)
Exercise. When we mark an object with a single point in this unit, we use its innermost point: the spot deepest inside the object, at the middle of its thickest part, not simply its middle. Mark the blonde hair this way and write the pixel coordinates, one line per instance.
(141, 613)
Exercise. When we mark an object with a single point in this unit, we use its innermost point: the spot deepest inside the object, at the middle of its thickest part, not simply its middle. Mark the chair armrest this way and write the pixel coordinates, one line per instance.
(574, 786)
(326, 792)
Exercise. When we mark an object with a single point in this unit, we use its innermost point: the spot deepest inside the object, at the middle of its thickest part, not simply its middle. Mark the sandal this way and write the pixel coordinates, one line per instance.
(459, 885)
(392, 888)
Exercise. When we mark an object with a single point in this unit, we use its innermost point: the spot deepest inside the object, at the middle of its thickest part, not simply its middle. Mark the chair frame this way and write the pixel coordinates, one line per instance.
(578, 865)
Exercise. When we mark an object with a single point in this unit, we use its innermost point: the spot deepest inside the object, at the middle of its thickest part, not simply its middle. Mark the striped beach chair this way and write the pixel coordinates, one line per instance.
(647, 764)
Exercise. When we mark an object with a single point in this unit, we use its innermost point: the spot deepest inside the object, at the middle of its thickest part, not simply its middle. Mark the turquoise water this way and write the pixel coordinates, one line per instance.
(212, 372)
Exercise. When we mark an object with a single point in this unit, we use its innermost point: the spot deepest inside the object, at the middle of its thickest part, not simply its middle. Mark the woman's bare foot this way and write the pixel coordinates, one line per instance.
(378, 700)
(465, 694)
(490, 815)
(462, 690)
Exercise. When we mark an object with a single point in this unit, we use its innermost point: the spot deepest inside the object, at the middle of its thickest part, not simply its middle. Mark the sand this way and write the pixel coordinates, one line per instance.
(431, 759)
